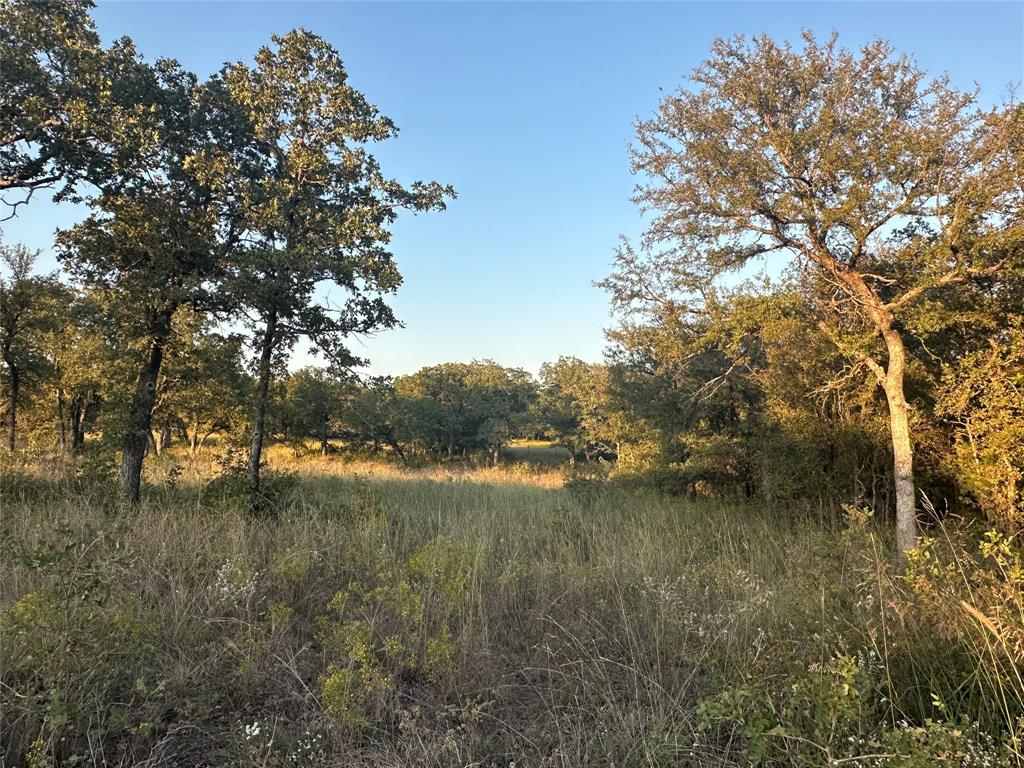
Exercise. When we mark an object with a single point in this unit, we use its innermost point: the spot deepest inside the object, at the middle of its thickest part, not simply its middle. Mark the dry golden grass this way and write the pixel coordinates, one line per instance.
(309, 463)
(486, 616)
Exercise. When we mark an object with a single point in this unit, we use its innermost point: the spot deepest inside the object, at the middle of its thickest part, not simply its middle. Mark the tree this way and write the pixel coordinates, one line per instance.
(203, 387)
(435, 400)
(28, 307)
(818, 429)
(314, 401)
(503, 399)
(376, 415)
(576, 404)
(316, 210)
(882, 189)
(466, 406)
(159, 234)
(689, 409)
(86, 369)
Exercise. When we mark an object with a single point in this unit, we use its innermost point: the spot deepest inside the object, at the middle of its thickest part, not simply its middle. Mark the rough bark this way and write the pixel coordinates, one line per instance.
(140, 415)
(259, 419)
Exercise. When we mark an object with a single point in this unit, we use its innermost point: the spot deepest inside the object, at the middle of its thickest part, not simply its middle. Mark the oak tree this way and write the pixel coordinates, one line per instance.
(315, 211)
(71, 111)
(158, 235)
(879, 187)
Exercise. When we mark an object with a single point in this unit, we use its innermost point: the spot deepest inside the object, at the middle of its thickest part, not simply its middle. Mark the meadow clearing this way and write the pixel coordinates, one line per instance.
(452, 615)
(764, 511)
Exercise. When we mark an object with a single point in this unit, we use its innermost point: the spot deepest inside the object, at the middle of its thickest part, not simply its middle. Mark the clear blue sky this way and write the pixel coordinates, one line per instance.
(527, 109)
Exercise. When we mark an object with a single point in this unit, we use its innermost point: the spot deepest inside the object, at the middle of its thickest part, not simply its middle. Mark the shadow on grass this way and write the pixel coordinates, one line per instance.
(541, 454)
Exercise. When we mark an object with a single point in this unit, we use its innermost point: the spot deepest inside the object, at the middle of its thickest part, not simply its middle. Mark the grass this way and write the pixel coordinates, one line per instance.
(460, 616)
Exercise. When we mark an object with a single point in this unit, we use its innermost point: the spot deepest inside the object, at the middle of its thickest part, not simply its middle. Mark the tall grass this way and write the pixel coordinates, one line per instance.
(438, 616)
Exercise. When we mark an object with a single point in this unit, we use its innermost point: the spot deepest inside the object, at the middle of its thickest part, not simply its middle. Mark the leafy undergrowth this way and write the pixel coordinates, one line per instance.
(420, 618)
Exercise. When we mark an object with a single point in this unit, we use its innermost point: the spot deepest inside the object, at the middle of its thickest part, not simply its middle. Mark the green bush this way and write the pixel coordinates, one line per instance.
(78, 671)
(836, 713)
(230, 488)
(392, 631)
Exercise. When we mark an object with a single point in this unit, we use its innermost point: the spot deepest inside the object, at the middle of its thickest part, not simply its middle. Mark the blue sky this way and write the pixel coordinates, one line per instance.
(527, 109)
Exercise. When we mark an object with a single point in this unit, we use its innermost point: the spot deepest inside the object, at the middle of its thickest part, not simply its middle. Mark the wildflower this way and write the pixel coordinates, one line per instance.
(234, 585)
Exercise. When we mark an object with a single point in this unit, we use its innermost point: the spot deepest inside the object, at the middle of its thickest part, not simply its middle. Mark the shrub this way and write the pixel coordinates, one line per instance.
(836, 713)
(970, 590)
(230, 488)
(79, 671)
(392, 632)
(981, 396)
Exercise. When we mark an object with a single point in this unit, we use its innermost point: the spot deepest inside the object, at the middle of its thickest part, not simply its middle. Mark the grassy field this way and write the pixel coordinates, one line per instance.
(451, 616)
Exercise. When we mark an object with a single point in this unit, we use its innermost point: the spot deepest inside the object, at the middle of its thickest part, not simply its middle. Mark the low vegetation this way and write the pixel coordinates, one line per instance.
(394, 616)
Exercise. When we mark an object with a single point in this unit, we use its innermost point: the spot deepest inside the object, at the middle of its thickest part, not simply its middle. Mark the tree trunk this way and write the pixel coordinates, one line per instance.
(88, 416)
(205, 437)
(165, 438)
(62, 438)
(891, 380)
(397, 449)
(75, 423)
(140, 415)
(325, 446)
(902, 445)
(12, 406)
(259, 419)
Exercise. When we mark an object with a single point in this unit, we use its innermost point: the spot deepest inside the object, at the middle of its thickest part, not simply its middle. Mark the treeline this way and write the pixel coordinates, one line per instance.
(758, 406)
(226, 202)
(69, 374)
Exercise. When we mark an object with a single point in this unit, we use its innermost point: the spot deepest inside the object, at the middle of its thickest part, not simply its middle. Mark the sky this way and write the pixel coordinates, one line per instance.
(527, 109)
